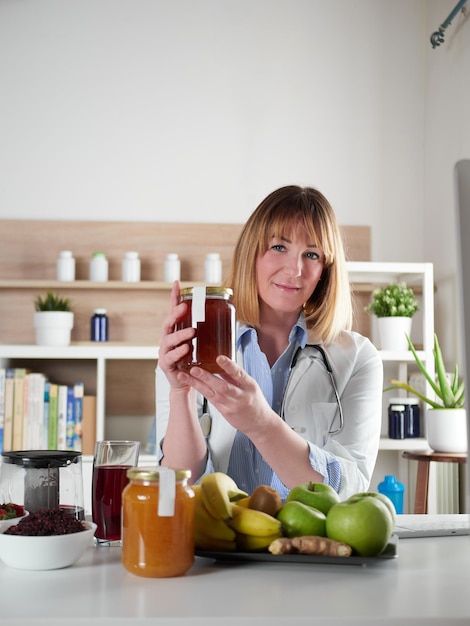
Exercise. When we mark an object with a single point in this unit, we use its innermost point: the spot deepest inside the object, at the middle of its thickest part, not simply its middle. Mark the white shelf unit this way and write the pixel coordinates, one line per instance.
(420, 276)
(99, 352)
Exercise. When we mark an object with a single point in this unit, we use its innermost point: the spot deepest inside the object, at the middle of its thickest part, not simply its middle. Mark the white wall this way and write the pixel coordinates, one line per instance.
(193, 110)
(447, 140)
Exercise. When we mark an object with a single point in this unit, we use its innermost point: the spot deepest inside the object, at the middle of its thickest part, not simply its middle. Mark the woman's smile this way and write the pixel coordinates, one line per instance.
(288, 288)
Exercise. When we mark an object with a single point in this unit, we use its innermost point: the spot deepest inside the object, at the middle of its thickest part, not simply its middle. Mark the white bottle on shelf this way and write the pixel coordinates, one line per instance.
(99, 267)
(213, 268)
(172, 268)
(131, 267)
(65, 266)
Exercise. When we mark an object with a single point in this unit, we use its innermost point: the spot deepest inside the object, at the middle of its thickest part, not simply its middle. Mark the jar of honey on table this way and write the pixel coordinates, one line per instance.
(157, 522)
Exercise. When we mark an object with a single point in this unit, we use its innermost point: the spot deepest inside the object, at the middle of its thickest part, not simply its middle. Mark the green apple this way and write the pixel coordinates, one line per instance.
(318, 495)
(299, 519)
(381, 496)
(363, 521)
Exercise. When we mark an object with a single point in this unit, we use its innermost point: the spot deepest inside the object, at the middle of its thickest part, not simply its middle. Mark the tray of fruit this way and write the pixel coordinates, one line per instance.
(312, 526)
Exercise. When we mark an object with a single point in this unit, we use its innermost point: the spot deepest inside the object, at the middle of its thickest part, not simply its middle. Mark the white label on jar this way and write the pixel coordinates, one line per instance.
(198, 308)
(198, 313)
(166, 492)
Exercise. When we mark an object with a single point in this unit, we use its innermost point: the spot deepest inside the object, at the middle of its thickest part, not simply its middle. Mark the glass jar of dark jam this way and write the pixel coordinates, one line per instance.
(212, 314)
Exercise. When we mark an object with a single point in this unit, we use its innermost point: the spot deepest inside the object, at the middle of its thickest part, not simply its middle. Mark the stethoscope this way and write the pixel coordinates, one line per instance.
(206, 421)
(329, 369)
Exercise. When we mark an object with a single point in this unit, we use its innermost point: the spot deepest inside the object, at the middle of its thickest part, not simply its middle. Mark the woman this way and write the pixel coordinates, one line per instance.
(304, 400)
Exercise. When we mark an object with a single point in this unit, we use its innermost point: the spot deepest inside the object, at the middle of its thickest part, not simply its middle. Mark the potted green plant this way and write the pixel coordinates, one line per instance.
(53, 320)
(445, 415)
(394, 305)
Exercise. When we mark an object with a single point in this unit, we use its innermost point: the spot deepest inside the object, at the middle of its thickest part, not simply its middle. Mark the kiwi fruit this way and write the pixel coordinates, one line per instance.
(265, 498)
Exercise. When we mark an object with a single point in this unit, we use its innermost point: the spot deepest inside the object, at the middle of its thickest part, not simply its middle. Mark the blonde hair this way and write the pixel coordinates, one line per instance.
(328, 311)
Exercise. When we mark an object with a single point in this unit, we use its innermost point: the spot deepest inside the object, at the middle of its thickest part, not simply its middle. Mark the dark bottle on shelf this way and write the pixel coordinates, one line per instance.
(99, 325)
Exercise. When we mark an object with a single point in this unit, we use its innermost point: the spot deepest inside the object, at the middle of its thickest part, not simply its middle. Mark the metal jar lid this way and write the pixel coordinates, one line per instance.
(224, 293)
(152, 474)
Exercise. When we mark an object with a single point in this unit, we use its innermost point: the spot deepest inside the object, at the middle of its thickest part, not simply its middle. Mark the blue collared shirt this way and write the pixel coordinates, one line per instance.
(246, 465)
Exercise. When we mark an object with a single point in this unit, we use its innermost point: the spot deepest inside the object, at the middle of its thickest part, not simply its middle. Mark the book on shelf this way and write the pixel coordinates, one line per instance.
(24, 445)
(53, 416)
(33, 414)
(18, 407)
(69, 420)
(45, 417)
(78, 393)
(62, 417)
(38, 407)
(8, 420)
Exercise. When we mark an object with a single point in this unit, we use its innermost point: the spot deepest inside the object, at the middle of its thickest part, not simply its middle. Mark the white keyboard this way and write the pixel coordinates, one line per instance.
(432, 525)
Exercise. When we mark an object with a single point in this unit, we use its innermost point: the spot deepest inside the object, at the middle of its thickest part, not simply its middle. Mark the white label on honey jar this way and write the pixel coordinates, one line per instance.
(166, 492)
(198, 313)
(198, 309)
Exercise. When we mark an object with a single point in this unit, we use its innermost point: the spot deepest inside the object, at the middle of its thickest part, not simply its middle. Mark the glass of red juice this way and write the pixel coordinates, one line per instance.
(111, 461)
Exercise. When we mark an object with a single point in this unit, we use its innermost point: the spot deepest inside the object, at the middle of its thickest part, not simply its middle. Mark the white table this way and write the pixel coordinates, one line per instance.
(428, 580)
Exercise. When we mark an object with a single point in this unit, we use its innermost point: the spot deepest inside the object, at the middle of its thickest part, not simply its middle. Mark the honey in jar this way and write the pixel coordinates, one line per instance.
(212, 314)
(157, 522)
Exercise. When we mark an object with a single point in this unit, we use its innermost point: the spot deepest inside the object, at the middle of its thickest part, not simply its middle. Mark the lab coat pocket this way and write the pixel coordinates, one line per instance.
(313, 422)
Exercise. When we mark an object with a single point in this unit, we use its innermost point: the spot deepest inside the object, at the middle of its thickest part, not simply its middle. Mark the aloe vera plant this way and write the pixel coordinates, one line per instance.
(449, 394)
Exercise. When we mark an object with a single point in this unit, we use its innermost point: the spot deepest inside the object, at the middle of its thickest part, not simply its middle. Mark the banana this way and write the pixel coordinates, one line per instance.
(252, 543)
(252, 522)
(217, 489)
(243, 501)
(205, 542)
(237, 495)
(213, 527)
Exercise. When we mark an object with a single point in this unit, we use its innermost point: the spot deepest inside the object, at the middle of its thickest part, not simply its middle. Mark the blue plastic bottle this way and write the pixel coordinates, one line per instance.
(394, 490)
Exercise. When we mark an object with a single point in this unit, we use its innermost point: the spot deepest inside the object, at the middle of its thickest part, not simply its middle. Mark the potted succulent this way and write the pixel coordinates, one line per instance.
(446, 418)
(394, 306)
(53, 320)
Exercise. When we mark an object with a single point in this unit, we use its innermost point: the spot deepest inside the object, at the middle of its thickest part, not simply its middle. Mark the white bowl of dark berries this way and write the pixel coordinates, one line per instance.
(46, 539)
(10, 514)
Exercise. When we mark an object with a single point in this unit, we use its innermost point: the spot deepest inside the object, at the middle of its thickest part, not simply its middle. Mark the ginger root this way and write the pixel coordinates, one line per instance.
(281, 545)
(310, 545)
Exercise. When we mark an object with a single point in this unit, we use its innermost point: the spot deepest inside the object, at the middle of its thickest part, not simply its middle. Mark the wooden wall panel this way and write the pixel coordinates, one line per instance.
(29, 250)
